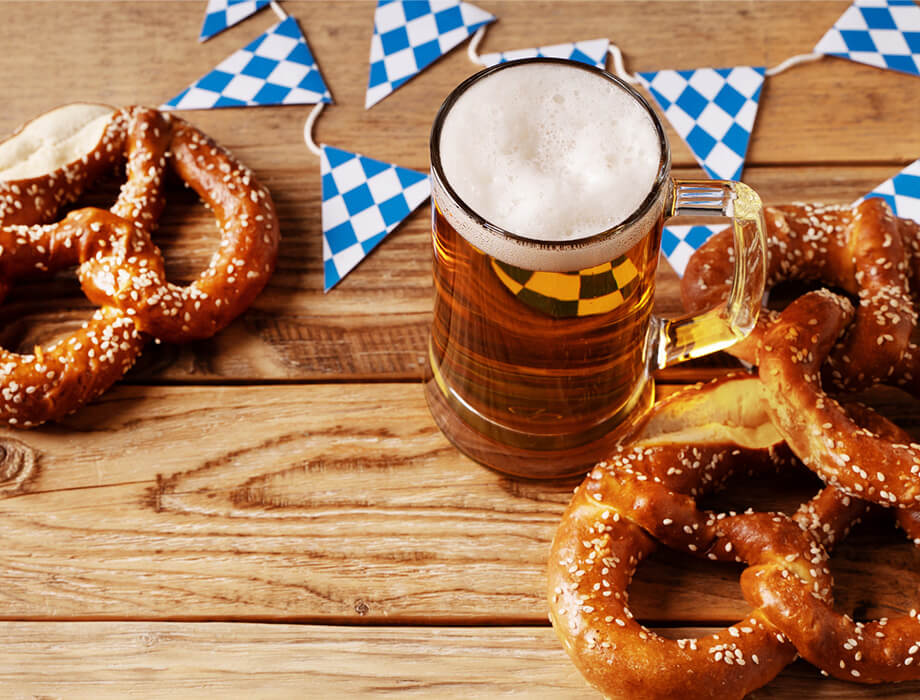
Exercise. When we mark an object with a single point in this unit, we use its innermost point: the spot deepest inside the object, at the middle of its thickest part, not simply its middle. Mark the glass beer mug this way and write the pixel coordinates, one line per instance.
(550, 186)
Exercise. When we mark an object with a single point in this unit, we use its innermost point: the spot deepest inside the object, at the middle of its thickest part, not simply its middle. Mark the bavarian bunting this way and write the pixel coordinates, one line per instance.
(410, 35)
(363, 201)
(276, 68)
(592, 51)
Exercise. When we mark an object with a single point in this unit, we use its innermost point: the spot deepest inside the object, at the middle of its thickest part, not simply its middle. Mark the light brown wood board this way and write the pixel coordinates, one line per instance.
(101, 660)
(187, 517)
(313, 503)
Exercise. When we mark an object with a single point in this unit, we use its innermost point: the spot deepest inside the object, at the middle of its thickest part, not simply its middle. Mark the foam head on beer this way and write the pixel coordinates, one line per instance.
(549, 152)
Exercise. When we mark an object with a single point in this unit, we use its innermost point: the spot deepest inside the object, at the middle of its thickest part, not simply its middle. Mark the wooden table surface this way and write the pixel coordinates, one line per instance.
(273, 513)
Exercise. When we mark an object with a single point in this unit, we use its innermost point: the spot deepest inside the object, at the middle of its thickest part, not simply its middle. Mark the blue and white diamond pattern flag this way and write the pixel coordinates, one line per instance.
(678, 243)
(882, 33)
(410, 35)
(902, 192)
(363, 201)
(592, 51)
(277, 68)
(221, 14)
(713, 110)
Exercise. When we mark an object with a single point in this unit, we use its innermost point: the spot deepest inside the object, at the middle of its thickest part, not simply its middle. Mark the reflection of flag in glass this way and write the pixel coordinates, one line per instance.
(363, 201)
(678, 243)
(277, 68)
(595, 290)
(902, 192)
(713, 110)
(410, 35)
(593, 52)
(881, 33)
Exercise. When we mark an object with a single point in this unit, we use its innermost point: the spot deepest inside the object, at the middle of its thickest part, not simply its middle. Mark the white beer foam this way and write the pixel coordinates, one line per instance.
(552, 153)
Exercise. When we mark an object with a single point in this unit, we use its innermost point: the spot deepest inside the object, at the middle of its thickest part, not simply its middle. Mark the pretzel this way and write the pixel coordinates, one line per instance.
(237, 272)
(884, 650)
(119, 267)
(646, 492)
(816, 427)
(864, 251)
(906, 373)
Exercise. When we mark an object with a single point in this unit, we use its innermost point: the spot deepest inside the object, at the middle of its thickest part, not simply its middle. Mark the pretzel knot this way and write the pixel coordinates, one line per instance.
(817, 428)
(693, 441)
(119, 267)
(863, 250)
(873, 256)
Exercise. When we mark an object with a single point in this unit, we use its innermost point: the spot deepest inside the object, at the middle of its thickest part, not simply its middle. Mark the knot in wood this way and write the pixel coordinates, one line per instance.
(18, 464)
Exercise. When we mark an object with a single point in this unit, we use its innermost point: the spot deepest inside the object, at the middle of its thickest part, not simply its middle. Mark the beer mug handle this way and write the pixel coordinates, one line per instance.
(693, 336)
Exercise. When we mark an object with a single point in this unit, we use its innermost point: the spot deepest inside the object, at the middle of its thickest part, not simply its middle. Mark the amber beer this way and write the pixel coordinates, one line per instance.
(550, 187)
(530, 369)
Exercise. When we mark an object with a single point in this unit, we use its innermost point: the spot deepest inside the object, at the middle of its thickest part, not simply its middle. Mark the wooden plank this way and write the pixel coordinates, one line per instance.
(311, 503)
(168, 660)
(374, 325)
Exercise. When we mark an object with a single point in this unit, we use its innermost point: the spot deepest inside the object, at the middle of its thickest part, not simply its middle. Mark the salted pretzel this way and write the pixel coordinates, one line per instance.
(882, 650)
(47, 165)
(863, 250)
(646, 492)
(816, 426)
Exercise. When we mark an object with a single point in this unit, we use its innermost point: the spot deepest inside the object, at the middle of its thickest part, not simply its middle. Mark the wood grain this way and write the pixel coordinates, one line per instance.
(313, 503)
(166, 660)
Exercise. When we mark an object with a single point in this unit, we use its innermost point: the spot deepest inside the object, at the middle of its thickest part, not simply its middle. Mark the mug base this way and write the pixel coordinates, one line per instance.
(522, 462)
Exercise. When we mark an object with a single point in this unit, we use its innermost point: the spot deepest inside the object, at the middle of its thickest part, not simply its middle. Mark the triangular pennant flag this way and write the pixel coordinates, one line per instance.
(593, 52)
(882, 33)
(678, 243)
(363, 201)
(713, 110)
(410, 35)
(275, 69)
(221, 14)
(902, 192)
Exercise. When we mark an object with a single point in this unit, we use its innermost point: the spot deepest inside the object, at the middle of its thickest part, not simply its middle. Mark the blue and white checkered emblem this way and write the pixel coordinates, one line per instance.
(363, 201)
(902, 192)
(882, 33)
(275, 69)
(410, 35)
(713, 110)
(593, 52)
(221, 14)
(678, 243)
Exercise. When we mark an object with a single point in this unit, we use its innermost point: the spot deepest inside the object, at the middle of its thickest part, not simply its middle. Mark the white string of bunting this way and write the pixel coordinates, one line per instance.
(364, 200)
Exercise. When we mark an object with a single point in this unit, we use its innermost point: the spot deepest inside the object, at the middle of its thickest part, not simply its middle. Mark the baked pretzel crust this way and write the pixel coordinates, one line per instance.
(119, 266)
(646, 493)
